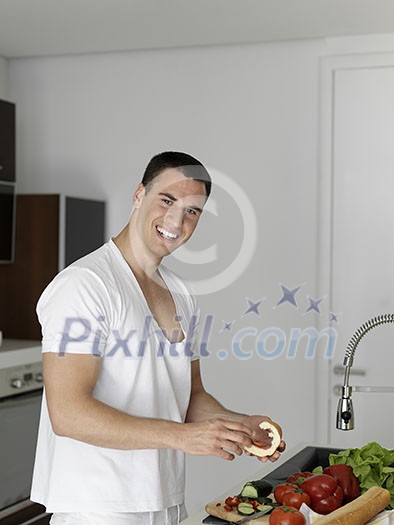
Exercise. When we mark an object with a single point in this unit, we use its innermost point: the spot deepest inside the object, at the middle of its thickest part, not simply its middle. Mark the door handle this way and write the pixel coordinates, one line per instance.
(337, 389)
(339, 370)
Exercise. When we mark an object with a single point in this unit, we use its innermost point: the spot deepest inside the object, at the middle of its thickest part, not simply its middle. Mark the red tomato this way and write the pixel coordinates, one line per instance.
(232, 501)
(295, 498)
(299, 477)
(286, 516)
(320, 486)
(281, 489)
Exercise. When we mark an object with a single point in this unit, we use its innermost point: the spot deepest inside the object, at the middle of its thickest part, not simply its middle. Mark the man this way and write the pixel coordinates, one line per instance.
(124, 398)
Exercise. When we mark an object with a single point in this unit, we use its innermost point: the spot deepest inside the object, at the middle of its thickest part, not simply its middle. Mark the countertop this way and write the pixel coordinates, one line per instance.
(14, 352)
(263, 470)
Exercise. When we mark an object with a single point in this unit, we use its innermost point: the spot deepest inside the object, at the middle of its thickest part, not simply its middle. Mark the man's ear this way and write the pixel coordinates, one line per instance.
(139, 195)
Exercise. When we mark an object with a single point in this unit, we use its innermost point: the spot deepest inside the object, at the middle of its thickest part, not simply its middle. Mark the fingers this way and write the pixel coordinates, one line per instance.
(261, 437)
(236, 426)
(231, 440)
(234, 431)
(225, 453)
(274, 457)
(226, 439)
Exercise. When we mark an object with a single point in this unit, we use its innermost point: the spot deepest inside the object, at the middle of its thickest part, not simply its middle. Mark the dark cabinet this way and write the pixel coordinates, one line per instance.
(7, 221)
(7, 141)
(51, 232)
(25, 513)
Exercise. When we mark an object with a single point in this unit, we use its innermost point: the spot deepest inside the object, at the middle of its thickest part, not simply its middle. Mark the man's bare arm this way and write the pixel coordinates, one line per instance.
(75, 413)
(204, 406)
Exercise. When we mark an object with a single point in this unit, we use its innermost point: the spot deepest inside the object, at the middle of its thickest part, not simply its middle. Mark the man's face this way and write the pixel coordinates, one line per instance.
(168, 212)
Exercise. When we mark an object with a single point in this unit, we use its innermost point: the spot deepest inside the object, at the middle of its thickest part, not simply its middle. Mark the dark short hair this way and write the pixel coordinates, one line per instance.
(186, 164)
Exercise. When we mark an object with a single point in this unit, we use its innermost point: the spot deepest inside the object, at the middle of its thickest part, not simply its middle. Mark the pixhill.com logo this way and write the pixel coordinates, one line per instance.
(268, 343)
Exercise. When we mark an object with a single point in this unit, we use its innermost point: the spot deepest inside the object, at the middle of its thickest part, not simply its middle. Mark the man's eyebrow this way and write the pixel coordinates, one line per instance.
(169, 196)
(174, 199)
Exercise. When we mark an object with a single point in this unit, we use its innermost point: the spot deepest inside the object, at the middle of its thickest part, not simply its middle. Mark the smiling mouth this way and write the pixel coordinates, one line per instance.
(166, 234)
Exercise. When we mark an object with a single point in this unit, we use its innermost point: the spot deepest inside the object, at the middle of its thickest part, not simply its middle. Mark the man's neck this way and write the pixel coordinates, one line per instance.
(142, 265)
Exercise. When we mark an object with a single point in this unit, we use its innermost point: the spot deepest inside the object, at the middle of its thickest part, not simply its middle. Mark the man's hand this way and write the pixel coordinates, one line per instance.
(224, 438)
(261, 438)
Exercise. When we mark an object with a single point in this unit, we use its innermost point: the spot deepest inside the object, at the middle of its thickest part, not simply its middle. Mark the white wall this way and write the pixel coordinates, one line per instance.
(87, 125)
(4, 88)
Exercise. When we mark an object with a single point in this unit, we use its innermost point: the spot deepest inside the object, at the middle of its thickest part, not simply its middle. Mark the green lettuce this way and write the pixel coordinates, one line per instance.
(372, 464)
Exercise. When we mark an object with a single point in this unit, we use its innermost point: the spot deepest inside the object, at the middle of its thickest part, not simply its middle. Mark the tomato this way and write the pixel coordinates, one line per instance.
(320, 486)
(295, 498)
(299, 477)
(286, 516)
(281, 489)
(232, 501)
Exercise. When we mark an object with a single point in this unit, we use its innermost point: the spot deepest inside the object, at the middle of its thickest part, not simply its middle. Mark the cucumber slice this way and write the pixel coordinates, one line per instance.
(264, 507)
(245, 508)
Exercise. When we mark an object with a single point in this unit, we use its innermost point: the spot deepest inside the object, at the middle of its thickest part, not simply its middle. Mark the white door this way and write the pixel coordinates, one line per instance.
(357, 248)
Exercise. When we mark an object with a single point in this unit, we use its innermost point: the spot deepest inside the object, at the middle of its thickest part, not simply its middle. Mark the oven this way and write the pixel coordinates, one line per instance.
(21, 387)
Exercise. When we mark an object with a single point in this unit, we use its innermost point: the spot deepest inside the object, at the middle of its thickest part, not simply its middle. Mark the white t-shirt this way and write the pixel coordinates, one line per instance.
(96, 306)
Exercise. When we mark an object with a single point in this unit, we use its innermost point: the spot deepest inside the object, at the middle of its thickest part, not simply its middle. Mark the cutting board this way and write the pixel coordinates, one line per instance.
(218, 511)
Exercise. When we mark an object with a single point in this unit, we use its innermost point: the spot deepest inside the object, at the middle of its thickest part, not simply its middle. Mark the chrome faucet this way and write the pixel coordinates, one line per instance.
(345, 412)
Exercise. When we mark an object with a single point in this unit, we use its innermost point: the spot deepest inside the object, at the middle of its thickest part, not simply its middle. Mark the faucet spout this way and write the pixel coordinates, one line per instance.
(345, 412)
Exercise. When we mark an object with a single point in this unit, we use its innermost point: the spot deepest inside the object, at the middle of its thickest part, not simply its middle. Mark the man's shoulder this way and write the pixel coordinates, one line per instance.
(87, 272)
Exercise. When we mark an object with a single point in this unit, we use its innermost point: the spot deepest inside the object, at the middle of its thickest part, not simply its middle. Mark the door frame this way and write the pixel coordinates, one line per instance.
(329, 66)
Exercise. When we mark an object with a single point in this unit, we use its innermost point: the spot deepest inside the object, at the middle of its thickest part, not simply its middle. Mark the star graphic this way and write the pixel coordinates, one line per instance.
(288, 295)
(334, 317)
(314, 305)
(227, 326)
(253, 306)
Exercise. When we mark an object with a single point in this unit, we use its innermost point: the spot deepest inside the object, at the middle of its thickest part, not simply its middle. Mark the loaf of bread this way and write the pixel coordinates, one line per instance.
(360, 510)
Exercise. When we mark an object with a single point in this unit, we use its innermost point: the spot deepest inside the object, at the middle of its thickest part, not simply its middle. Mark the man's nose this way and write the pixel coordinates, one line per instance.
(174, 217)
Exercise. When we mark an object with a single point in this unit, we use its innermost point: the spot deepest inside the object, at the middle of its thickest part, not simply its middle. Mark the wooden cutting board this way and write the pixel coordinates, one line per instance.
(219, 512)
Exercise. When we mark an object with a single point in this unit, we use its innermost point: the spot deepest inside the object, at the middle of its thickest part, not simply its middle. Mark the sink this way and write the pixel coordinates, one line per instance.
(307, 459)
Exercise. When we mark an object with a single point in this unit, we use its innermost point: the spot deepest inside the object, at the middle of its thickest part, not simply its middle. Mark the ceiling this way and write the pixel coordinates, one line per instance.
(55, 27)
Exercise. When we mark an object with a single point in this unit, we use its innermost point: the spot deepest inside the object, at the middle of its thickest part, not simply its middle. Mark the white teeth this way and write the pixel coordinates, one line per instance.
(166, 234)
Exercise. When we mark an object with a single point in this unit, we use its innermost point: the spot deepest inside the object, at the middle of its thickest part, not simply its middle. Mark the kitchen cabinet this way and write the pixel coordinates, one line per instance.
(7, 141)
(51, 232)
(20, 404)
(7, 221)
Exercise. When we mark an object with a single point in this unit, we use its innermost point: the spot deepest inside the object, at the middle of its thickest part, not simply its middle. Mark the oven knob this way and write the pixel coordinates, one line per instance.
(38, 377)
(17, 383)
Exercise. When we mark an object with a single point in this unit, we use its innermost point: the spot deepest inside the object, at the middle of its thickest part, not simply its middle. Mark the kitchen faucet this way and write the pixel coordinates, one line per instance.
(345, 412)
